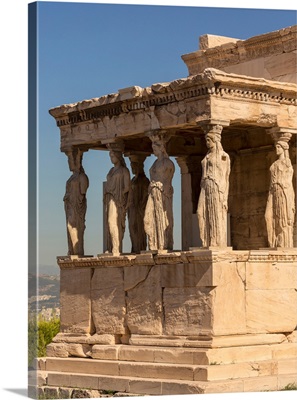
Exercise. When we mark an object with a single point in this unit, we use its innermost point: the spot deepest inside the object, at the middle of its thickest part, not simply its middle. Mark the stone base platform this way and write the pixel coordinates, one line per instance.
(156, 370)
(201, 321)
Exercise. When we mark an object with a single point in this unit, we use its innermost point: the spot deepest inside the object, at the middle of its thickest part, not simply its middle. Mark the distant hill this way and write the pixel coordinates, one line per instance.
(43, 292)
(44, 270)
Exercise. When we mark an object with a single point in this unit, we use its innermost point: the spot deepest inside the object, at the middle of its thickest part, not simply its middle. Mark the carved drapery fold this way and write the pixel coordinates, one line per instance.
(158, 219)
(137, 202)
(75, 202)
(213, 200)
(280, 207)
(116, 193)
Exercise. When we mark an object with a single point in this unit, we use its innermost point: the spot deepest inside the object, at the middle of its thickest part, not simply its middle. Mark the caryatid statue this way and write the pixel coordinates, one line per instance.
(280, 207)
(75, 203)
(137, 203)
(213, 201)
(158, 218)
(116, 193)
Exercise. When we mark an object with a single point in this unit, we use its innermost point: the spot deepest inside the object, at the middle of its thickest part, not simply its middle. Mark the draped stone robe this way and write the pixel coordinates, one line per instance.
(137, 203)
(75, 204)
(116, 198)
(280, 208)
(158, 220)
(213, 200)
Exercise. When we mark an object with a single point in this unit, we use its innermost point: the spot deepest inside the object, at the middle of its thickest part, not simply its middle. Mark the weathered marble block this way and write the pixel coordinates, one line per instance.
(271, 276)
(271, 291)
(108, 300)
(144, 299)
(75, 300)
(197, 293)
(187, 311)
(270, 311)
(228, 299)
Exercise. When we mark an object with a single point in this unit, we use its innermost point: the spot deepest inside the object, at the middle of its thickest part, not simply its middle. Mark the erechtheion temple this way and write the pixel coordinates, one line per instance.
(219, 314)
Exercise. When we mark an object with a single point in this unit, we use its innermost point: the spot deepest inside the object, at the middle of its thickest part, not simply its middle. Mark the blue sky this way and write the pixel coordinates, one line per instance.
(89, 50)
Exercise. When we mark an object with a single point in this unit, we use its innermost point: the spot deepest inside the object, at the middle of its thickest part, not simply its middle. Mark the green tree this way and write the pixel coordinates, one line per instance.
(47, 330)
(32, 340)
(40, 334)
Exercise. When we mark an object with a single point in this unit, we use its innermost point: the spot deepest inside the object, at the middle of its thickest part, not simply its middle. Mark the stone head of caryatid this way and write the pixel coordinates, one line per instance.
(75, 156)
(116, 154)
(137, 163)
(213, 138)
(159, 141)
(282, 149)
(281, 143)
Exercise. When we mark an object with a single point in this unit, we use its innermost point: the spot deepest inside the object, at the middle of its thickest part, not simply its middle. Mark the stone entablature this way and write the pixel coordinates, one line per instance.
(272, 56)
(179, 104)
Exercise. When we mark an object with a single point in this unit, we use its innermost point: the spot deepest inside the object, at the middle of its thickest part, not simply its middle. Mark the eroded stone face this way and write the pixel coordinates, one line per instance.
(144, 300)
(108, 301)
(187, 311)
(75, 300)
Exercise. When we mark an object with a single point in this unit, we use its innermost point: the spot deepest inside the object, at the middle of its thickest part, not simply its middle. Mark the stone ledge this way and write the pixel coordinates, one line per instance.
(208, 341)
(182, 355)
(176, 257)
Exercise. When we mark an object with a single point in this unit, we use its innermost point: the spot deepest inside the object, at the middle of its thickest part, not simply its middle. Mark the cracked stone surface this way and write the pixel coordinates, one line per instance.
(198, 292)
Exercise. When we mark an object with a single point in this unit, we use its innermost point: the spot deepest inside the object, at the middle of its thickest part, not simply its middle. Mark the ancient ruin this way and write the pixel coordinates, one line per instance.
(219, 314)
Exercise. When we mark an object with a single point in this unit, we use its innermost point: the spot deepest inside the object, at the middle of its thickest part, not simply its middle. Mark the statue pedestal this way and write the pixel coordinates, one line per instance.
(198, 321)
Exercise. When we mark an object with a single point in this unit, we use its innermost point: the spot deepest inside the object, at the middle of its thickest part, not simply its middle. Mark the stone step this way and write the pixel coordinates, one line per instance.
(228, 355)
(170, 371)
(130, 384)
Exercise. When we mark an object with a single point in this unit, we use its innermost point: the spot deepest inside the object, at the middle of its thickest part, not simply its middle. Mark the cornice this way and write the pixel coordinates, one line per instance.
(175, 257)
(277, 42)
(211, 82)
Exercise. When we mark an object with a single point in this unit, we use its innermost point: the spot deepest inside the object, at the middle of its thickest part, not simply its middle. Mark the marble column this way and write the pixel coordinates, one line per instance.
(213, 200)
(280, 207)
(137, 203)
(116, 195)
(75, 202)
(158, 218)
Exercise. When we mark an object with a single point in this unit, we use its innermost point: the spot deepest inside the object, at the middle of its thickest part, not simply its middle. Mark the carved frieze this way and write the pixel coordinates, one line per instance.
(179, 103)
